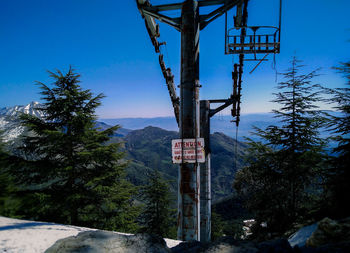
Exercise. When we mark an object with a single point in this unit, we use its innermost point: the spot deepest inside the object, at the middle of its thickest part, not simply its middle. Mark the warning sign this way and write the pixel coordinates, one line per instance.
(187, 148)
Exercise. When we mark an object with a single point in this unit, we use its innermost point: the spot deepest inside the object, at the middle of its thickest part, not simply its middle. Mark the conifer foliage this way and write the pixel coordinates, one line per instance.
(284, 166)
(9, 204)
(157, 216)
(339, 124)
(2, 169)
(4, 178)
(71, 175)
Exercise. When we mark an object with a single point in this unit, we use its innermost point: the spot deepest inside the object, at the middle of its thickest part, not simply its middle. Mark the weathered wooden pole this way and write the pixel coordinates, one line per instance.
(189, 182)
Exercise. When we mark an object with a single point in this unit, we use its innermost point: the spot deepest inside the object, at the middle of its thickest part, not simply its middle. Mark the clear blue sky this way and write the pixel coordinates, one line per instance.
(107, 43)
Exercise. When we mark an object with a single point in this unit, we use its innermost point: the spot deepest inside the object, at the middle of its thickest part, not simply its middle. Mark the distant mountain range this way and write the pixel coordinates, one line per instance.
(218, 123)
(221, 124)
(147, 149)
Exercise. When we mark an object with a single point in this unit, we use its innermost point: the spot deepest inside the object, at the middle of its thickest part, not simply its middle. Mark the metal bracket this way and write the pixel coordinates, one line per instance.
(227, 102)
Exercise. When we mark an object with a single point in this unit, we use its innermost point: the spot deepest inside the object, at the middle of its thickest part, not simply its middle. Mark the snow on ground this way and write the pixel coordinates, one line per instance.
(22, 236)
(31, 236)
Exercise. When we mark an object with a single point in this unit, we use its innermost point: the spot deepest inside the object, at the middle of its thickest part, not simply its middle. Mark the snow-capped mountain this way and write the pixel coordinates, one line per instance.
(11, 128)
(9, 120)
(31, 108)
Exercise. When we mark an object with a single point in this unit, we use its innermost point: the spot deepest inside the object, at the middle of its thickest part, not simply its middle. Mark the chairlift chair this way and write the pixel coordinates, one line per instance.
(253, 39)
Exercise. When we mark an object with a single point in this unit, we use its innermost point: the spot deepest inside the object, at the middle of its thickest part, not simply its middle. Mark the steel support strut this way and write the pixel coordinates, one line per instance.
(205, 193)
(188, 198)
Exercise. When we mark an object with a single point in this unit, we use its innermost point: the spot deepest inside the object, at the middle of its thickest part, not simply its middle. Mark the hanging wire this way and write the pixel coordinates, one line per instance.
(274, 67)
(220, 116)
(236, 148)
(279, 37)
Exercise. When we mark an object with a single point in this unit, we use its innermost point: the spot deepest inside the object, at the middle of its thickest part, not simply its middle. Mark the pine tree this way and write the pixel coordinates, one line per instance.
(217, 226)
(8, 202)
(284, 167)
(4, 178)
(157, 216)
(339, 126)
(71, 175)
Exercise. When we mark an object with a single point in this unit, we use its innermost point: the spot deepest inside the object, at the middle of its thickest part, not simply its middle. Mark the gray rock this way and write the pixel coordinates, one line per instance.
(343, 247)
(188, 247)
(230, 245)
(330, 231)
(104, 241)
(275, 246)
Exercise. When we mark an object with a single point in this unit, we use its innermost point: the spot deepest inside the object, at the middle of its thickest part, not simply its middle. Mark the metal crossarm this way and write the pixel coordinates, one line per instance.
(153, 11)
(227, 5)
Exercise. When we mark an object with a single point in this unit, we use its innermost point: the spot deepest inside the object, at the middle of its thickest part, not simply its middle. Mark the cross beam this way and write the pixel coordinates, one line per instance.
(154, 11)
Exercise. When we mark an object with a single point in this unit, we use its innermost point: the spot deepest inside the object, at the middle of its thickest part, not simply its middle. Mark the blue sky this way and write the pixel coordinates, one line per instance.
(107, 43)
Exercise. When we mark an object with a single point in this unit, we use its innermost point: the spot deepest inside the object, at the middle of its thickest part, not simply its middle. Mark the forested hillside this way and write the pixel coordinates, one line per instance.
(150, 148)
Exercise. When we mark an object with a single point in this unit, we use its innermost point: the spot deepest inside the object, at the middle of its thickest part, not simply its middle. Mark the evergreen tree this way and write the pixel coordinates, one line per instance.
(4, 178)
(157, 216)
(217, 226)
(71, 175)
(339, 125)
(8, 202)
(284, 170)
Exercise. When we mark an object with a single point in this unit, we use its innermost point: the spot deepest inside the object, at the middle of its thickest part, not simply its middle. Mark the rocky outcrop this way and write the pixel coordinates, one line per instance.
(228, 245)
(104, 241)
(188, 247)
(329, 232)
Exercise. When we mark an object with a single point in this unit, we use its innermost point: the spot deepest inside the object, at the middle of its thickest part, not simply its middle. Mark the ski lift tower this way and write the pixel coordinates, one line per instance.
(192, 115)
(189, 25)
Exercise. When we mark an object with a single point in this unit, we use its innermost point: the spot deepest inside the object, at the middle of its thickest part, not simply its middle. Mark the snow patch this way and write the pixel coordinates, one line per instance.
(34, 237)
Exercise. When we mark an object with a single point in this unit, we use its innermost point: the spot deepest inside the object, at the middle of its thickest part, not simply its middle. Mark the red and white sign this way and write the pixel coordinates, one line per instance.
(187, 148)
